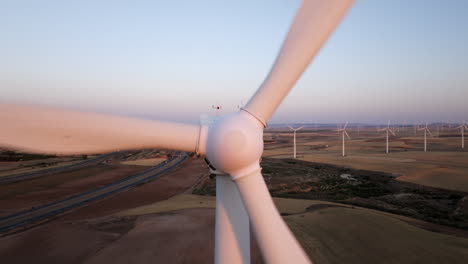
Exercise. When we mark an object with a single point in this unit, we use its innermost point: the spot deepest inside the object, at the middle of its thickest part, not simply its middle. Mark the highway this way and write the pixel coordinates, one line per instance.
(40, 173)
(39, 214)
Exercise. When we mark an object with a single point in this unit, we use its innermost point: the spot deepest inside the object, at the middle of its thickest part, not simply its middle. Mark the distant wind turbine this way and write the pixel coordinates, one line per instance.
(239, 106)
(217, 108)
(387, 129)
(426, 130)
(343, 133)
(295, 129)
(462, 127)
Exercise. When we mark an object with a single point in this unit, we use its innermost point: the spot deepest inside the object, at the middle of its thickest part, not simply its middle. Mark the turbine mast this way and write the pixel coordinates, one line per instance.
(343, 133)
(294, 140)
(425, 140)
(463, 127)
(387, 142)
(343, 148)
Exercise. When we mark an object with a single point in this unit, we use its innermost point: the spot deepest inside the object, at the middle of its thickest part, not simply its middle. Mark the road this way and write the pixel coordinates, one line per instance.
(39, 214)
(36, 174)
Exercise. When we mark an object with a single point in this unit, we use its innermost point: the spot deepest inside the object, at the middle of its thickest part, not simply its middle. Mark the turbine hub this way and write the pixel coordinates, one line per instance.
(234, 142)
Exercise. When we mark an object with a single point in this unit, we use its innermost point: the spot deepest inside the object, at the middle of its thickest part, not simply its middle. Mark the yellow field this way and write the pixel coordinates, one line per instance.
(144, 162)
(178, 202)
(345, 234)
(186, 201)
(444, 168)
(27, 168)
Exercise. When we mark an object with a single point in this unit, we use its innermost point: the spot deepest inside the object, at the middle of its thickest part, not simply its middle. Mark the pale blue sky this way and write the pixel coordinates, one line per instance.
(401, 60)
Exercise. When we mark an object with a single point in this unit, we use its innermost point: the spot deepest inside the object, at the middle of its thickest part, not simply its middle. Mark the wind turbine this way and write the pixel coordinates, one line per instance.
(462, 127)
(387, 129)
(295, 129)
(239, 106)
(232, 144)
(426, 130)
(217, 108)
(343, 133)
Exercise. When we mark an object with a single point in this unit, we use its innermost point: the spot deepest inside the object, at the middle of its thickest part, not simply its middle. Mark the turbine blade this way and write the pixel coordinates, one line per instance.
(344, 127)
(277, 243)
(291, 127)
(313, 24)
(300, 128)
(429, 131)
(52, 130)
(346, 133)
(393, 133)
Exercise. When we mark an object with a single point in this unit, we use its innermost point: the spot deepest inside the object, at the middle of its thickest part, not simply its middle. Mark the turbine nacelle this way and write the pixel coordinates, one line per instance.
(233, 143)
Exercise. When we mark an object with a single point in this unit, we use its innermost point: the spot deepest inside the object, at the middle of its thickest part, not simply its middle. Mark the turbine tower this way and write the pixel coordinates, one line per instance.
(343, 133)
(295, 129)
(426, 130)
(462, 128)
(232, 144)
(387, 129)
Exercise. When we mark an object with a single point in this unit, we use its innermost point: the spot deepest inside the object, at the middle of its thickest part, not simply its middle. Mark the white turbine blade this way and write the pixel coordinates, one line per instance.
(291, 127)
(277, 243)
(429, 131)
(51, 130)
(393, 133)
(383, 129)
(344, 127)
(346, 133)
(388, 124)
(300, 128)
(313, 24)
